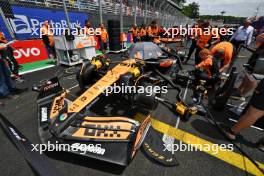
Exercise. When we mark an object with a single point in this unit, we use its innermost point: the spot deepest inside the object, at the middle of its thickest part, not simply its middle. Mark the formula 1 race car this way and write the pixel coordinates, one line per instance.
(89, 132)
(111, 139)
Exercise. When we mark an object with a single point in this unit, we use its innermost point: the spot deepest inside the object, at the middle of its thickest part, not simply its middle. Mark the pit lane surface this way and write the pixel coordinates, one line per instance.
(22, 112)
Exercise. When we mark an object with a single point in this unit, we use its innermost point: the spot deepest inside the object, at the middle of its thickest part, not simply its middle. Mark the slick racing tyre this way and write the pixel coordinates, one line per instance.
(86, 76)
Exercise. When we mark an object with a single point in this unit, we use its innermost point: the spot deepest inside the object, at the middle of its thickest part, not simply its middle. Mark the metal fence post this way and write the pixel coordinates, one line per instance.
(145, 15)
(160, 12)
(135, 11)
(7, 24)
(121, 16)
(100, 11)
(66, 13)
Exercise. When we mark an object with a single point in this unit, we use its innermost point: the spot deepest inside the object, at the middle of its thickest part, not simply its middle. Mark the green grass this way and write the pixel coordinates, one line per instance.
(37, 65)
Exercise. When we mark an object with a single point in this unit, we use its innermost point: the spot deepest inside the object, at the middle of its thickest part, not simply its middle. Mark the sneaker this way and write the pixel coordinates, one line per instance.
(236, 95)
(260, 145)
(17, 91)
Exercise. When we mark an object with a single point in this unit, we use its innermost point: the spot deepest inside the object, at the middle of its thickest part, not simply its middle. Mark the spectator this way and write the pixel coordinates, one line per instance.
(243, 35)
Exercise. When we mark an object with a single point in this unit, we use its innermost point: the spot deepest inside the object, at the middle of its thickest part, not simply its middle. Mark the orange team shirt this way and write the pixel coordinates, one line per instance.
(46, 31)
(195, 32)
(215, 34)
(2, 38)
(142, 33)
(134, 32)
(206, 65)
(228, 49)
(87, 30)
(104, 35)
(153, 31)
(204, 39)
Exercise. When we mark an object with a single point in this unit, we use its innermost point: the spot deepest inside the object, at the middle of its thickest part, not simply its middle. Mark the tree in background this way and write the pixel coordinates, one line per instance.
(191, 10)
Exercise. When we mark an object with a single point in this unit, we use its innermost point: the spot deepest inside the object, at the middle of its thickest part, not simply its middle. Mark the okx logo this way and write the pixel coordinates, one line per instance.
(21, 24)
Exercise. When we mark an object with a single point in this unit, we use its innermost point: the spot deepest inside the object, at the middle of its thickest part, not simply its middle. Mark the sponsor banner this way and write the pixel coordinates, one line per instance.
(26, 51)
(28, 21)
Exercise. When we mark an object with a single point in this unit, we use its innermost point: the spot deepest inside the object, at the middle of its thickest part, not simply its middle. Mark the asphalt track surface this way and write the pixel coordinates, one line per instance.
(22, 112)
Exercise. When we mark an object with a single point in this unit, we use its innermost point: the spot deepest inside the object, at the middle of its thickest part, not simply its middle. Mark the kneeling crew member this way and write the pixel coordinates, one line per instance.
(207, 69)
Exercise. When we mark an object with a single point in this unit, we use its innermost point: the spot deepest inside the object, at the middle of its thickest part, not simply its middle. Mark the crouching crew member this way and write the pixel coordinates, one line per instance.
(207, 69)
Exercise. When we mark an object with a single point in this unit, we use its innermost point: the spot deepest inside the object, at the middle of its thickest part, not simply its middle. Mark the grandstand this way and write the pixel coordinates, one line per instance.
(168, 12)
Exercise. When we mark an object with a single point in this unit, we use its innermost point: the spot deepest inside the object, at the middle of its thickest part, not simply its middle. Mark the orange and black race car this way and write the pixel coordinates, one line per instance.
(99, 131)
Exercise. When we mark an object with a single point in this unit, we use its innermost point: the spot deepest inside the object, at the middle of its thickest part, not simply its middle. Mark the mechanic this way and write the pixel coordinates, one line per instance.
(153, 30)
(223, 51)
(194, 38)
(135, 33)
(242, 36)
(103, 38)
(87, 27)
(142, 33)
(8, 55)
(203, 41)
(48, 39)
(253, 113)
(207, 69)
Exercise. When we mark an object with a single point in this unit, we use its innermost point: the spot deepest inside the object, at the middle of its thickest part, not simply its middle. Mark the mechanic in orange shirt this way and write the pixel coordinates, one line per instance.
(135, 33)
(87, 27)
(48, 38)
(143, 33)
(223, 51)
(103, 38)
(153, 31)
(204, 40)
(207, 69)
